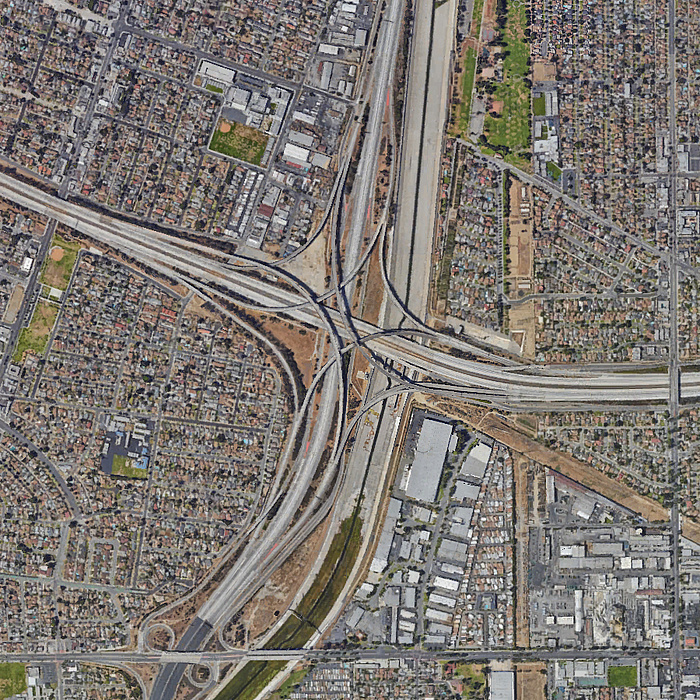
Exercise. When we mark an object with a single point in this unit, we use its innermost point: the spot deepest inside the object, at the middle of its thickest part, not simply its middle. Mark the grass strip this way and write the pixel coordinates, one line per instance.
(250, 680)
(443, 285)
(465, 106)
(312, 610)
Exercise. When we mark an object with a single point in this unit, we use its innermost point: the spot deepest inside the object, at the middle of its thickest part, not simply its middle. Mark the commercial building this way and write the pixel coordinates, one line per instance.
(424, 478)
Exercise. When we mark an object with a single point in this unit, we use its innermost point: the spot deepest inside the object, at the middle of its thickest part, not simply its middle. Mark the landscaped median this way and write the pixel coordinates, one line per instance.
(311, 612)
(464, 108)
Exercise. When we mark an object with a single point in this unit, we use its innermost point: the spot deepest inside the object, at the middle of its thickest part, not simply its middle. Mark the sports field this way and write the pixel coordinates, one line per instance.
(239, 141)
(58, 266)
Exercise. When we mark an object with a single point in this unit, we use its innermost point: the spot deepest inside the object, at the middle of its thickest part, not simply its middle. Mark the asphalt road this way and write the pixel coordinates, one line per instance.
(384, 652)
(365, 181)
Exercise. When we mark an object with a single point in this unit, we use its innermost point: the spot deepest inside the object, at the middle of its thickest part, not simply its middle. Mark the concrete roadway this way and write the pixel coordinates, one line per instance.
(386, 652)
(365, 180)
(427, 106)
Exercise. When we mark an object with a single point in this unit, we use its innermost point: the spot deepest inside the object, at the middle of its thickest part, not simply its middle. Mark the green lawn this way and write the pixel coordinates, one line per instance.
(36, 336)
(12, 680)
(250, 680)
(477, 12)
(214, 88)
(622, 676)
(121, 466)
(538, 106)
(463, 109)
(242, 142)
(554, 170)
(511, 129)
(56, 273)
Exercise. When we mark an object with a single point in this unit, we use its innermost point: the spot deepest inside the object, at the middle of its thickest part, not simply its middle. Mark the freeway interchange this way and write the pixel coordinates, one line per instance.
(405, 355)
(512, 385)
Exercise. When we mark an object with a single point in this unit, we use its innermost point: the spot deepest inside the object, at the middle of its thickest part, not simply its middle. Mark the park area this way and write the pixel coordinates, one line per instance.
(123, 466)
(510, 129)
(239, 141)
(36, 336)
(12, 680)
(58, 265)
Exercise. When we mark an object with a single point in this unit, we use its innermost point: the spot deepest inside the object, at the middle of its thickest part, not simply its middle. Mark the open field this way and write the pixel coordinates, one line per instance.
(239, 141)
(14, 304)
(300, 341)
(522, 325)
(12, 681)
(36, 336)
(463, 108)
(531, 681)
(622, 676)
(58, 265)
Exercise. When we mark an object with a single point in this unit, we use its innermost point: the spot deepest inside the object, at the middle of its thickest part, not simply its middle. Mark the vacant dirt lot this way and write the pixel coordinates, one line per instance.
(530, 681)
(521, 319)
(520, 239)
(14, 304)
(311, 266)
(543, 71)
(147, 672)
(522, 621)
(301, 341)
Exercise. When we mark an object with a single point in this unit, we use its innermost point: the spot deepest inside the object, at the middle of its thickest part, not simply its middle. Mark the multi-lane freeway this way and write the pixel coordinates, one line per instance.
(402, 359)
(519, 387)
